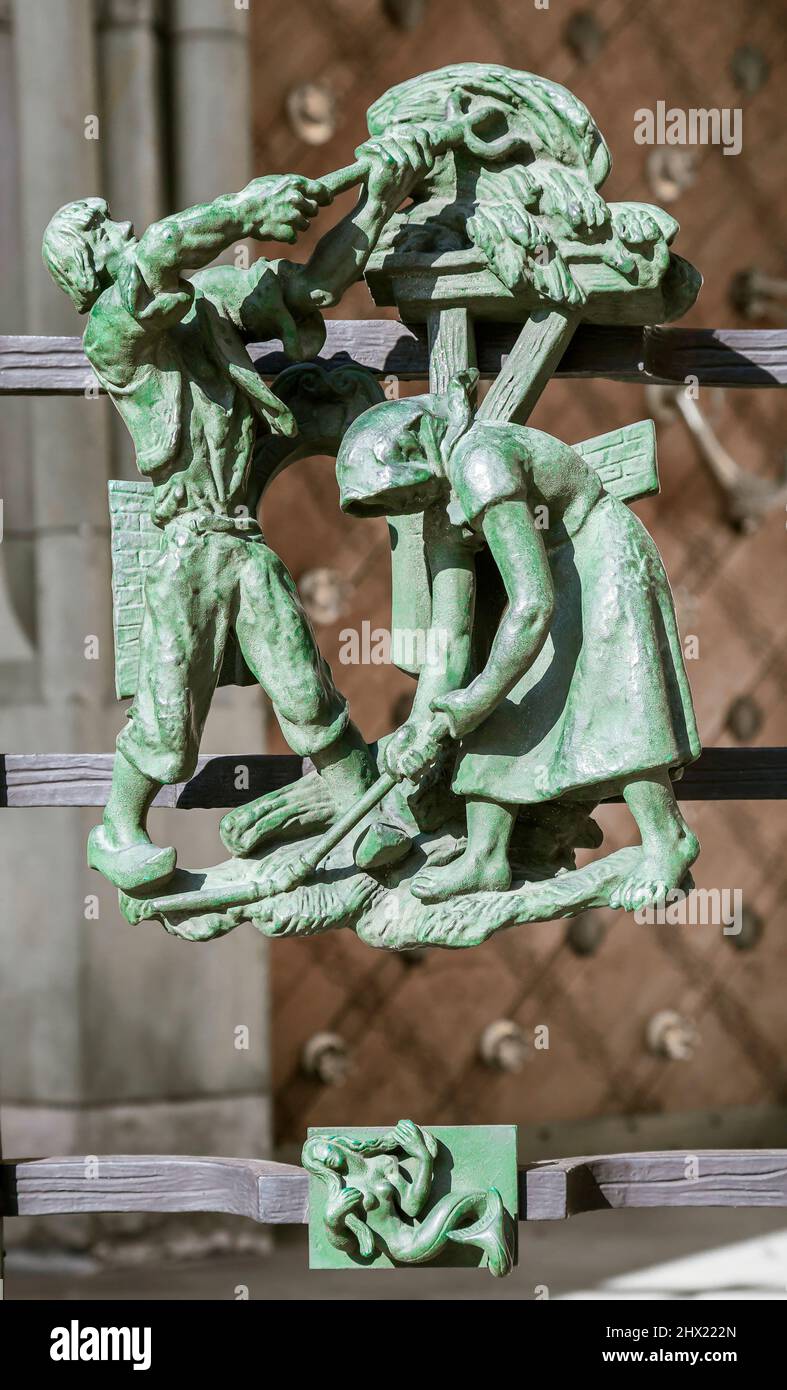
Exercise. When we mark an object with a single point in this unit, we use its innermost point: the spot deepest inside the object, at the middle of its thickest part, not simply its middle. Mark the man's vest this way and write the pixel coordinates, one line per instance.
(152, 405)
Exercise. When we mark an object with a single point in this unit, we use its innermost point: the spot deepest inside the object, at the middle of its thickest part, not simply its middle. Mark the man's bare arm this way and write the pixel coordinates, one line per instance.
(151, 294)
(397, 163)
(285, 299)
(275, 208)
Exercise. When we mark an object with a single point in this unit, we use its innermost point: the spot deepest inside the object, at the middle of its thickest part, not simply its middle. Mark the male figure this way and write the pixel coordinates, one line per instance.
(170, 353)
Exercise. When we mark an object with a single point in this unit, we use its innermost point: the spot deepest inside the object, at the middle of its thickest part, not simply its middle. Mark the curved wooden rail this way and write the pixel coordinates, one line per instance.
(559, 1187)
(271, 1193)
(278, 1193)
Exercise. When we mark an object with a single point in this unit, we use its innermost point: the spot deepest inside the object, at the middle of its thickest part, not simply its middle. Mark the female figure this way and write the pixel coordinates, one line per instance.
(378, 1189)
(564, 675)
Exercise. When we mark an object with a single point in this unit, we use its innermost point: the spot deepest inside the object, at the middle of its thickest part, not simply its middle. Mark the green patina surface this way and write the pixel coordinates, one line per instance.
(380, 1199)
(528, 600)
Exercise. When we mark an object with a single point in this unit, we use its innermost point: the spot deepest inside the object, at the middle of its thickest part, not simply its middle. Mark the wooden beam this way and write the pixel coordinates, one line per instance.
(51, 366)
(278, 1193)
(535, 356)
(83, 779)
(273, 1193)
(735, 774)
(560, 1187)
(717, 356)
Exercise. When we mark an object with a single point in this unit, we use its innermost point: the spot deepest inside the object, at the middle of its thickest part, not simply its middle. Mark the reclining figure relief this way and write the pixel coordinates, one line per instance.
(383, 1195)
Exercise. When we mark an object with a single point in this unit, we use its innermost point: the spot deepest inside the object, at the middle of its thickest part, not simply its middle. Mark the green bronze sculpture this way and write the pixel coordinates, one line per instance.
(373, 1203)
(558, 711)
(170, 353)
(561, 680)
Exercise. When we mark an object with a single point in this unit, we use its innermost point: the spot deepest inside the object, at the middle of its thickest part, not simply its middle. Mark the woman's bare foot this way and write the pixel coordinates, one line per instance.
(469, 873)
(660, 869)
(302, 808)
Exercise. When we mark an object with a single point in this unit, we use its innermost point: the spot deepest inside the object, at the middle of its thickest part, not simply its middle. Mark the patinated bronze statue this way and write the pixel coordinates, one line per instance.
(560, 680)
(171, 355)
(557, 711)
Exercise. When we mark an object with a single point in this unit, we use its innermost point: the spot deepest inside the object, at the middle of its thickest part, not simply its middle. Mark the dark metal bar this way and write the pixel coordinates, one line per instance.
(83, 779)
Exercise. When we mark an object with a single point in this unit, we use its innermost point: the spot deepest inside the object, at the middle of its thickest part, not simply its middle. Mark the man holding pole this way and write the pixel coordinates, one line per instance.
(170, 353)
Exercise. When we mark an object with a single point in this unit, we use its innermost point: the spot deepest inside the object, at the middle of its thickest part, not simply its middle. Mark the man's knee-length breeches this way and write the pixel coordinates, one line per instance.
(204, 584)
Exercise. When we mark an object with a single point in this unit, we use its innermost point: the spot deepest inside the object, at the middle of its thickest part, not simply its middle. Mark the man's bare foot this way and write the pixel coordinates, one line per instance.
(303, 807)
(130, 864)
(469, 873)
(659, 870)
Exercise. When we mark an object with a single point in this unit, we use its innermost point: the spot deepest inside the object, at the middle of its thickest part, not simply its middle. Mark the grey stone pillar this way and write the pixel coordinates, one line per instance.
(133, 150)
(17, 605)
(210, 98)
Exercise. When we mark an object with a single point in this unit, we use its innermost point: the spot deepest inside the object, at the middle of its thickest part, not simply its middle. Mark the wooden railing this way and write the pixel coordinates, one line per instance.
(277, 1194)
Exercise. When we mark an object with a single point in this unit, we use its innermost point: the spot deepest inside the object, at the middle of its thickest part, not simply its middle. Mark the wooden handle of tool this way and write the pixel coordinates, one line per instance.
(343, 179)
(200, 900)
(443, 135)
(312, 856)
(241, 894)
